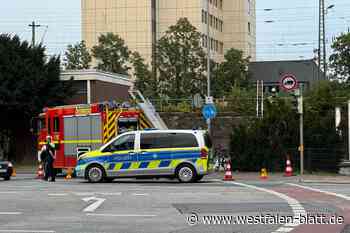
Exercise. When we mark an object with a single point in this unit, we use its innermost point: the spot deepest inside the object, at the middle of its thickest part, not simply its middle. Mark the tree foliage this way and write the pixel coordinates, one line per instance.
(112, 54)
(29, 80)
(181, 61)
(340, 59)
(145, 81)
(77, 57)
(277, 134)
(232, 72)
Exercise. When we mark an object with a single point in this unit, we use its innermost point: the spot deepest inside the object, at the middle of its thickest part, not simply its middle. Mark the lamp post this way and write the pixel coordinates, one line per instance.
(208, 63)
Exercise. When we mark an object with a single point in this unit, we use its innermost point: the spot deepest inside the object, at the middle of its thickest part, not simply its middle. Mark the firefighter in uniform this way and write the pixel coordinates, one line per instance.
(48, 157)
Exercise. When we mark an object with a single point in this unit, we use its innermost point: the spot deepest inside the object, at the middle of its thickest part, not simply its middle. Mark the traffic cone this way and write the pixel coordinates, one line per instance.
(263, 174)
(228, 173)
(13, 172)
(40, 172)
(289, 169)
(69, 174)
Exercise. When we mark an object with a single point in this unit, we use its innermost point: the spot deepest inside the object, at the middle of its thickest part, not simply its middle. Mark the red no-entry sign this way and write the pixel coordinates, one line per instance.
(289, 82)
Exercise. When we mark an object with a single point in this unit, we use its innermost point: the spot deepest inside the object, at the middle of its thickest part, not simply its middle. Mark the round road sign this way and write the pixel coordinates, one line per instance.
(289, 82)
(209, 111)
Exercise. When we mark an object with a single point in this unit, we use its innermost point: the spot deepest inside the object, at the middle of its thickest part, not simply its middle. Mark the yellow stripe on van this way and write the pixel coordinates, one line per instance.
(175, 162)
(134, 165)
(154, 164)
(118, 166)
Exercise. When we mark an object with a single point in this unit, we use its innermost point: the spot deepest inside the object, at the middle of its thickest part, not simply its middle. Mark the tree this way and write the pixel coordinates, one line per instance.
(145, 81)
(233, 72)
(77, 57)
(29, 81)
(340, 59)
(181, 61)
(112, 54)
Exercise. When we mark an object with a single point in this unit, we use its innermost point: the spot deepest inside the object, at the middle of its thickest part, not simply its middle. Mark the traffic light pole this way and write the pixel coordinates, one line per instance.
(301, 128)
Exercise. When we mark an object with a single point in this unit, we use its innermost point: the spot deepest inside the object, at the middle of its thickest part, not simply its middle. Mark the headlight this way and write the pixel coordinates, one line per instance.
(9, 164)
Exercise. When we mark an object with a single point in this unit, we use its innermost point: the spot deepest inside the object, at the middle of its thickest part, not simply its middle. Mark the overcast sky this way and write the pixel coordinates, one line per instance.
(293, 34)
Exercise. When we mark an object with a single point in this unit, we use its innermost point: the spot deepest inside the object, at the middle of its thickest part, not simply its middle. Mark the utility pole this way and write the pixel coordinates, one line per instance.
(33, 26)
(301, 126)
(322, 57)
(208, 64)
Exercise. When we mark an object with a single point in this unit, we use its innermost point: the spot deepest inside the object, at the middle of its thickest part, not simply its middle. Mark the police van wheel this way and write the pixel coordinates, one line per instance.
(186, 174)
(95, 174)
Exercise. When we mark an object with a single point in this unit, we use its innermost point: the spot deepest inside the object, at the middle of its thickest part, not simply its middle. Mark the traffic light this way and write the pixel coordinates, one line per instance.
(297, 104)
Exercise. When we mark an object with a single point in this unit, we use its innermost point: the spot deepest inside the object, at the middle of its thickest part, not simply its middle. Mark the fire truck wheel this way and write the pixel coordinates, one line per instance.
(95, 174)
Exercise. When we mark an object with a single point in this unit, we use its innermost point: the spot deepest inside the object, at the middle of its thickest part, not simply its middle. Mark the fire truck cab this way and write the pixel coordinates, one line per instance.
(77, 129)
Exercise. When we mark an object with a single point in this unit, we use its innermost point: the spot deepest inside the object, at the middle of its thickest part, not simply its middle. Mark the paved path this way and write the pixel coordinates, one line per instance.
(30, 205)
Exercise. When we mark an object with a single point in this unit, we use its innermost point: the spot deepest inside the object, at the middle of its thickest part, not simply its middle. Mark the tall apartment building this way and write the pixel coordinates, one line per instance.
(142, 22)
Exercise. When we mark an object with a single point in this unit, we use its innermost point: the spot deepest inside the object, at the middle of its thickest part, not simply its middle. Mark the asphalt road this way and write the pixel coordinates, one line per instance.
(29, 205)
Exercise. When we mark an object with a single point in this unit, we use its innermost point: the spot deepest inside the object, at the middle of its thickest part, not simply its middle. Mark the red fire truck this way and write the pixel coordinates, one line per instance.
(76, 129)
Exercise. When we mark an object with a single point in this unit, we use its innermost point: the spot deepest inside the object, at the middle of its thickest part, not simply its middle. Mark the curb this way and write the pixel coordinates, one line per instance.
(324, 182)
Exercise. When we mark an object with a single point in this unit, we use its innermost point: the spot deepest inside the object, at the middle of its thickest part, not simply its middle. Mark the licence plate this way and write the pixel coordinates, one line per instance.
(3, 170)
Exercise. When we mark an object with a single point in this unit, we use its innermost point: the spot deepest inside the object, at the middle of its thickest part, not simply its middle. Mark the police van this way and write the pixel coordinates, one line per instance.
(153, 153)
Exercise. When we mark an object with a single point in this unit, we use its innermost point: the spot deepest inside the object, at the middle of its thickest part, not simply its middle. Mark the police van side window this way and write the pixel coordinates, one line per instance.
(155, 141)
(184, 140)
(123, 143)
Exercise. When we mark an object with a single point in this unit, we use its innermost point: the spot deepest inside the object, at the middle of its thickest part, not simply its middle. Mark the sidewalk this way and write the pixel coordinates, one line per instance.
(309, 178)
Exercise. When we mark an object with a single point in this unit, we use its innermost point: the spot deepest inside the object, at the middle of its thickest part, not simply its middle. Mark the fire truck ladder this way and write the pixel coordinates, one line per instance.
(148, 109)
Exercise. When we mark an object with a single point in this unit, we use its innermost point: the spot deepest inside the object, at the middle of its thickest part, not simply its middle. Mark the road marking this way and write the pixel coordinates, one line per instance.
(83, 194)
(294, 204)
(93, 206)
(11, 213)
(123, 215)
(140, 194)
(27, 231)
(109, 194)
(321, 191)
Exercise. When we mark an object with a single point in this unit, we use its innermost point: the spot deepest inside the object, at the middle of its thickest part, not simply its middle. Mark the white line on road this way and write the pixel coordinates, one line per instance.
(321, 191)
(9, 192)
(297, 208)
(26, 231)
(140, 194)
(109, 194)
(92, 207)
(123, 215)
(11, 213)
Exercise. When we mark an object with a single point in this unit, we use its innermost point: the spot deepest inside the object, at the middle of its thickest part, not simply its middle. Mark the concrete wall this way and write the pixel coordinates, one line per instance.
(221, 125)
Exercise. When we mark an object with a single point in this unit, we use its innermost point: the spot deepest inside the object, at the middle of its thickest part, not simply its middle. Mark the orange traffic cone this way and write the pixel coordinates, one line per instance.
(69, 174)
(263, 174)
(228, 173)
(40, 172)
(14, 173)
(289, 169)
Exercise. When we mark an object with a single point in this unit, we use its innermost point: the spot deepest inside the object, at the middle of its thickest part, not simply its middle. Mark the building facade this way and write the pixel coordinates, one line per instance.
(142, 22)
(94, 86)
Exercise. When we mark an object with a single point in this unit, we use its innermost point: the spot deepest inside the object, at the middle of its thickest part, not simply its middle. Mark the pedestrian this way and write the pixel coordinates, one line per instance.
(48, 157)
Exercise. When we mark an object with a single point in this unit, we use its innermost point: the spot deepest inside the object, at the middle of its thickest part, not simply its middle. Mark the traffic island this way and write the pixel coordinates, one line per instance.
(344, 168)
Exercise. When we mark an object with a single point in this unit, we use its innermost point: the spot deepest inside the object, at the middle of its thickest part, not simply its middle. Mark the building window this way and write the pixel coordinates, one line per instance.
(220, 4)
(203, 16)
(211, 20)
(211, 44)
(221, 48)
(249, 28)
(216, 3)
(221, 25)
(204, 41)
(249, 7)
